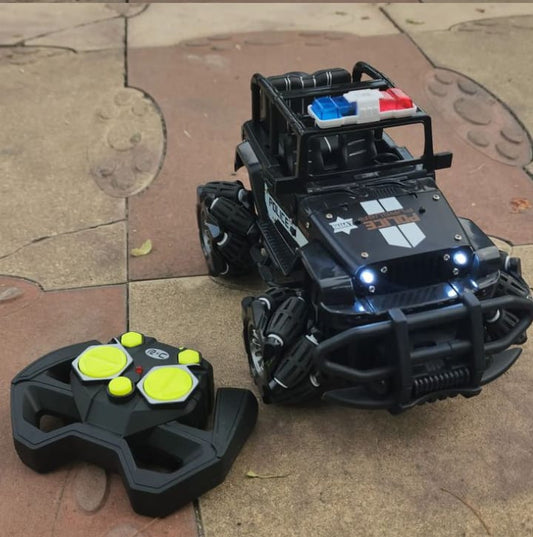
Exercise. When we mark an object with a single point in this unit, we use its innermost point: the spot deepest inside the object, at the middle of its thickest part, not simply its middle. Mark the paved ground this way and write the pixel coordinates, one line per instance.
(112, 114)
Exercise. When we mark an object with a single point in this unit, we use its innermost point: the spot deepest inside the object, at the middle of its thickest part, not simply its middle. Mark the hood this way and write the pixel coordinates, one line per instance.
(363, 231)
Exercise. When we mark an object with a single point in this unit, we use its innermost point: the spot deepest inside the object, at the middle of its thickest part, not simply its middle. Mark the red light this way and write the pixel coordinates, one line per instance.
(139, 370)
(394, 99)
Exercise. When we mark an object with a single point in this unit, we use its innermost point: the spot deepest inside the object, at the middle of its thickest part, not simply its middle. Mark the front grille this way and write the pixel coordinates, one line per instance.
(417, 297)
(423, 270)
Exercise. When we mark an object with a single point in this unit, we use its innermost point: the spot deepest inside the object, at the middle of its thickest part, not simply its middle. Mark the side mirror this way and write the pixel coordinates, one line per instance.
(442, 160)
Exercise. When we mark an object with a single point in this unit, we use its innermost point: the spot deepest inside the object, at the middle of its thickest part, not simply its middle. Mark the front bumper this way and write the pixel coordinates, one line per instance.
(481, 361)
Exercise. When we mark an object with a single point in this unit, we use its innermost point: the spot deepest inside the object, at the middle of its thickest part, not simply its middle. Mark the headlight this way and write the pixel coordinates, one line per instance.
(460, 259)
(367, 276)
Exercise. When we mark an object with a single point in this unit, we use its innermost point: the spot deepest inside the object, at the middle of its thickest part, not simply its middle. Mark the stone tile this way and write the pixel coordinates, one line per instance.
(384, 475)
(419, 18)
(506, 41)
(79, 259)
(101, 35)
(79, 499)
(21, 22)
(205, 98)
(179, 22)
(50, 98)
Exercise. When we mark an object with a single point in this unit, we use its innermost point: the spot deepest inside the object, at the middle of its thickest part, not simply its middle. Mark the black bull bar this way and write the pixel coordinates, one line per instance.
(402, 359)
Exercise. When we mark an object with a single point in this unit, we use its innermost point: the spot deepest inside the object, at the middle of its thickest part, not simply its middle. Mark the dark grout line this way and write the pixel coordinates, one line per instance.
(198, 517)
(403, 32)
(127, 205)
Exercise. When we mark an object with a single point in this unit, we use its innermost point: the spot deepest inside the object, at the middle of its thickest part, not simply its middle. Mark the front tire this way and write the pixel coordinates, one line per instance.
(280, 341)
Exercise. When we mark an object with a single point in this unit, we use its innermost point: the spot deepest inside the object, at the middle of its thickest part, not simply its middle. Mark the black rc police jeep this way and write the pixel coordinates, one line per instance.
(381, 297)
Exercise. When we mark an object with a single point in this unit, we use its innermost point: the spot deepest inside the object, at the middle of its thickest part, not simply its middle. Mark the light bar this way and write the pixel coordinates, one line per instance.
(361, 106)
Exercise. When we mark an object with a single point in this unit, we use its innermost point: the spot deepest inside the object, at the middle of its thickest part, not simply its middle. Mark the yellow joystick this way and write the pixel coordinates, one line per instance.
(102, 362)
(167, 383)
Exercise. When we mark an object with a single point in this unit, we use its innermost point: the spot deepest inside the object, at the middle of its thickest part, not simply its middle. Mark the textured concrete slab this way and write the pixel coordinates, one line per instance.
(105, 34)
(43, 110)
(419, 18)
(507, 41)
(21, 21)
(459, 467)
(74, 142)
(78, 499)
(181, 22)
(79, 259)
(205, 98)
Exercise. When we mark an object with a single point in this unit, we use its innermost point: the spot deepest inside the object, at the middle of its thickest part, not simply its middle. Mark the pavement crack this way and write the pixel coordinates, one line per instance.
(71, 232)
(59, 30)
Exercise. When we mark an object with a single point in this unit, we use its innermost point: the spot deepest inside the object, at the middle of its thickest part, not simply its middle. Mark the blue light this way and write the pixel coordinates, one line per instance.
(452, 293)
(460, 258)
(367, 276)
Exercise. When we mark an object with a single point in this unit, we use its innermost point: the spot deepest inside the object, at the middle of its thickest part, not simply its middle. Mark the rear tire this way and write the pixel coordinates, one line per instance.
(227, 227)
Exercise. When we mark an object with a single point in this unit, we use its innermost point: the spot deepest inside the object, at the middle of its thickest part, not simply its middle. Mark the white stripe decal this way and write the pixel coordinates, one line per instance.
(390, 204)
(372, 207)
(413, 233)
(394, 237)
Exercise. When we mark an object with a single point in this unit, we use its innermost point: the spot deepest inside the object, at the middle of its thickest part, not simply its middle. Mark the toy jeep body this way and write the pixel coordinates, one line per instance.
(381, 297)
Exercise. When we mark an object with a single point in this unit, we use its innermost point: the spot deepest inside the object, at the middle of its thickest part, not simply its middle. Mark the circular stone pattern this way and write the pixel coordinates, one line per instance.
(167, 383)
(102, 362)
(473, 111)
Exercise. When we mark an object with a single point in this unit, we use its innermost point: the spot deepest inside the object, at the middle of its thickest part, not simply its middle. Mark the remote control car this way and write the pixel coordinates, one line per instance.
(381, 297)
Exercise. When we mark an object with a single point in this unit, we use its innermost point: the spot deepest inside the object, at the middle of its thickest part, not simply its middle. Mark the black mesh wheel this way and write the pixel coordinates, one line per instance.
(227, 228)
(280, 341)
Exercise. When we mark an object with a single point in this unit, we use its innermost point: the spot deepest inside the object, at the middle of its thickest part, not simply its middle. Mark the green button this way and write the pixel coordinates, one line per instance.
(188, 357)
(120, 386)
(102, 362)
(167, 383)
(131, 339)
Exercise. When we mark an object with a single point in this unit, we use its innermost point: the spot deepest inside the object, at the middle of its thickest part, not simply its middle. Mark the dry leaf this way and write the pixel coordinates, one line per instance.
(519, 205)
(145, 249)
(412, 21)
(252, 474)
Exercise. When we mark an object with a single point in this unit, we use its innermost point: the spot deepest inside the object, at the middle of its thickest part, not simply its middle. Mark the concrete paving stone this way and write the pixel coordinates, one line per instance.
(506, 41)
(106, 34)
(351, 472)
(205, 98)
(79, 259)
(21, 21)
(420, 18)
(181, 22)
(49, 101)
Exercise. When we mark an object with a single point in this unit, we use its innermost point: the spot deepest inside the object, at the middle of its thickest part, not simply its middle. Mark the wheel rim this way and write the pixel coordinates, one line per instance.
(206, 243)
(256, 352)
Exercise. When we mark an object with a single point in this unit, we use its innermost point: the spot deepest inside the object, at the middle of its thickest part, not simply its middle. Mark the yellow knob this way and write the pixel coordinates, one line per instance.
(167, 383)
(120, 386)
(131, 339)
(188, 357)
(102, 362)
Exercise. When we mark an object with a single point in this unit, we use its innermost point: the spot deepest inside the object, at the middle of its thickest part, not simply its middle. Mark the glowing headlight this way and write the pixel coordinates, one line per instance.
(367, 276)
(460, 258)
